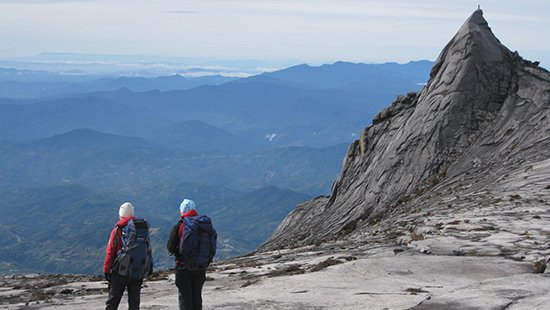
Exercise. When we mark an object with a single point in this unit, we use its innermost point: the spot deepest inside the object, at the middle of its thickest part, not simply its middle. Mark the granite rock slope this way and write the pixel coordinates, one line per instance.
(337, 275)
(474, 136)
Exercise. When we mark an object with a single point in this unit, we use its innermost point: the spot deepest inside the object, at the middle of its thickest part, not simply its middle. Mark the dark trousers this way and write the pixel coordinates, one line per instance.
(190, 284)
(117, 285)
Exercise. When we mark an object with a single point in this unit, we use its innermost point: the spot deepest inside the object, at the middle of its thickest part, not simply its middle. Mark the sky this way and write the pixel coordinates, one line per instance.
(310, 31)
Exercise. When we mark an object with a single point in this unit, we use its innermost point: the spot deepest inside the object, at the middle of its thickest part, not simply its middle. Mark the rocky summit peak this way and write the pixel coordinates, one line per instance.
(477, 20)
(479, 125)
(475, 42)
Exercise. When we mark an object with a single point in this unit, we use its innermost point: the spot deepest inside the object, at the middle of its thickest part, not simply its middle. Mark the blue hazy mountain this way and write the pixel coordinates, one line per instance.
(142, 84)
(107, 161)
(345, 74)
(89, 139)
(379, 83)
(190, 135)
(44, 118)
(26, 84)
(253, 110)
(262, 211)
(54, 229)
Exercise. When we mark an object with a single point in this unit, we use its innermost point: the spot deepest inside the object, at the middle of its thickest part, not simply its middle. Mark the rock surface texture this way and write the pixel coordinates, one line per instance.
(473, 145)
(339, 275)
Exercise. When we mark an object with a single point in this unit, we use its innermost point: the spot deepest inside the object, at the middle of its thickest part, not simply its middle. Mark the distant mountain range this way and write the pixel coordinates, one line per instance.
(247, 150)
(37, 84)
(325, 110)
(342, 75)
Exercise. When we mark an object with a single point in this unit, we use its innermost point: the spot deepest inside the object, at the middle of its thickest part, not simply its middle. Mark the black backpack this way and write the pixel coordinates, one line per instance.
(134, 259)
(197, 245)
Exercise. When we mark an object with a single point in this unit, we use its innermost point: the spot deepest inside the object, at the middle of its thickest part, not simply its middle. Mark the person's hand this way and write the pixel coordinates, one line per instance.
(108, 277)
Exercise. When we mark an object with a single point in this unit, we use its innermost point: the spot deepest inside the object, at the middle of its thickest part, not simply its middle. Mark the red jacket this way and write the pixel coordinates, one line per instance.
(113, 247)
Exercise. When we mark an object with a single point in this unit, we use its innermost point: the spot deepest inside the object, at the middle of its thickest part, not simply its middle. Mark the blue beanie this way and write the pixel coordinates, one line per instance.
(187, 205)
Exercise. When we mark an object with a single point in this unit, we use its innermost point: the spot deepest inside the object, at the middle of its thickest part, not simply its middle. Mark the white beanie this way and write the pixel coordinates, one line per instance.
(187, 205)
(126, 209)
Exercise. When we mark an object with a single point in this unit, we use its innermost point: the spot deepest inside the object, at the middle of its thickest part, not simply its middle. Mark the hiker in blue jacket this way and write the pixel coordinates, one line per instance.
(190, 277)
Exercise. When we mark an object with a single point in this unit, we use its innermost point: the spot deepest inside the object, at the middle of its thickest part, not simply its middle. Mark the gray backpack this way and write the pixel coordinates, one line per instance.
(134, 260)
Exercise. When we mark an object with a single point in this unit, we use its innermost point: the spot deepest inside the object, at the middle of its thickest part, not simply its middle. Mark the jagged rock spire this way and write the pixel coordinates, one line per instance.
(473, 41)
(420, 140)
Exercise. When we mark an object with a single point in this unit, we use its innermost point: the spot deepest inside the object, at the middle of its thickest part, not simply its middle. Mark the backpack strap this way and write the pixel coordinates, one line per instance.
(116, 241)
(180, 228)
(180, 235)
(116, 236)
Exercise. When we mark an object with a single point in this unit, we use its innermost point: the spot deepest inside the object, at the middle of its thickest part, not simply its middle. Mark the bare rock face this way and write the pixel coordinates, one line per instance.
(476, 127)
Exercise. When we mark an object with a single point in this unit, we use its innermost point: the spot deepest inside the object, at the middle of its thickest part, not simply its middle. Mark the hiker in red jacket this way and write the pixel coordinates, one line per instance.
(189, 283)
(118, 283)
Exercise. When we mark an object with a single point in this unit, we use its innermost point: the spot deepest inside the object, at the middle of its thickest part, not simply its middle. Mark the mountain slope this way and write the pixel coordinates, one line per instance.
(343, 74)
(190, 135)
(255, 215)
(88, 138)
(480, 122)
(44, 118)
(55, 229)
